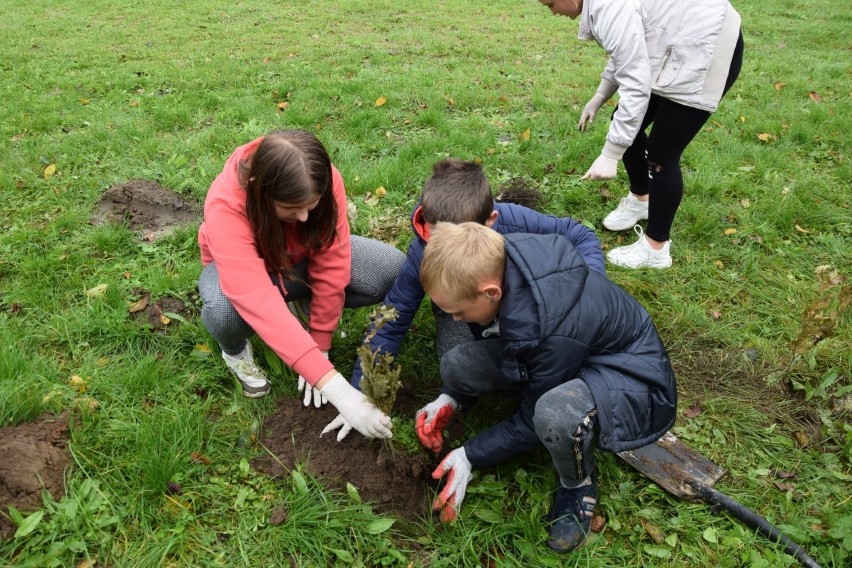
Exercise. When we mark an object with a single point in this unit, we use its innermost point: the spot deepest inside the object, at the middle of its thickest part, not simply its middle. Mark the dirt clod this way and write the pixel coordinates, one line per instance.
(41, 456)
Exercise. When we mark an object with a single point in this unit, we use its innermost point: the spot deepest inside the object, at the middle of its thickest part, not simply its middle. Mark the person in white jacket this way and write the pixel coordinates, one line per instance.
(671, 62)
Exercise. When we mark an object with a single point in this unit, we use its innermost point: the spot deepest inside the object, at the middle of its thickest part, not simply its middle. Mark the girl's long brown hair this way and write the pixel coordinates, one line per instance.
(291, 166)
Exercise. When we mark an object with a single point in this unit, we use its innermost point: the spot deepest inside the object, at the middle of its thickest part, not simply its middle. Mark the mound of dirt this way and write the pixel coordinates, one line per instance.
(159, 315)
(147, 207)
(398, 484)
(35, 457)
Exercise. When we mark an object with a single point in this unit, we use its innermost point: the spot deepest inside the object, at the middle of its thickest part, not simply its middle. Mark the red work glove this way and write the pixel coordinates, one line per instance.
(432, 419)
(450, 499)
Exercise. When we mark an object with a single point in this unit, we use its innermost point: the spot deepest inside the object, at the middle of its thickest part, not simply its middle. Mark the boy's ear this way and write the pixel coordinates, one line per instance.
(492, 291)
(492, 218)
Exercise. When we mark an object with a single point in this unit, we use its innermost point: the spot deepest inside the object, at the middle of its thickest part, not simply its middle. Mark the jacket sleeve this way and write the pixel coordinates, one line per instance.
(620, 31)
(246, 283)
(516, 435)
(584, 239)
(405, 295)
(329, 273)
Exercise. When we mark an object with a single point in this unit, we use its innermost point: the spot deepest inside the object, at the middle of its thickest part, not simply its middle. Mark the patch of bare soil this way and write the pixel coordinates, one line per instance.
(147, 207)
(397, 483)
(160, 314)
(521, 192)
(35, 456)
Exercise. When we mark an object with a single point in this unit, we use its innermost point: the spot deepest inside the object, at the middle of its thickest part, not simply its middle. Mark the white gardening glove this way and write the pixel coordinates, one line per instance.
(590, 110)
(606, 89)
(430, 421)
(606, 166)
(602, 168)
(355, 411)
(310, 392)
(450, 499)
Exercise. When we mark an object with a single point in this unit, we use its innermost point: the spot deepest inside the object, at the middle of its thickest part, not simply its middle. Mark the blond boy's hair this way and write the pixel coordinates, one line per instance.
(459, 258)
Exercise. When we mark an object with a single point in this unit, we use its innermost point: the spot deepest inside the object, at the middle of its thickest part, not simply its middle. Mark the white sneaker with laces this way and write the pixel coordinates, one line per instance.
(629, 212)
(251, 377)
(640, 254)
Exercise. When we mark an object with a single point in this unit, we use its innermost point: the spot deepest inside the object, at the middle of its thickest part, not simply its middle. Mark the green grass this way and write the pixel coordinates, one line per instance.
(757, 326)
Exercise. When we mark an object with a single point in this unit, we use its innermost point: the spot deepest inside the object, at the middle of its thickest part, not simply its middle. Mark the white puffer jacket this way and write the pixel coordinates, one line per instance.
(678, 49)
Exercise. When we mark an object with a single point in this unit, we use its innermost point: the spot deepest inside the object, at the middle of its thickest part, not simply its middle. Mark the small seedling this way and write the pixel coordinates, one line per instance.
(381, 373)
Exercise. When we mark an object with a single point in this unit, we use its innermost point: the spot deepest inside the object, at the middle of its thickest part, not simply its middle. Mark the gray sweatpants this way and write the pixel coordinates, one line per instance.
(375, 266)
(564, 418)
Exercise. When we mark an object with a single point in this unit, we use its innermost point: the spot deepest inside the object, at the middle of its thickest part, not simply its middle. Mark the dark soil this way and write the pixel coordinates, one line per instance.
(159, 315)
(398, 484)
(521, 192)
(35, 456)
(146, 207)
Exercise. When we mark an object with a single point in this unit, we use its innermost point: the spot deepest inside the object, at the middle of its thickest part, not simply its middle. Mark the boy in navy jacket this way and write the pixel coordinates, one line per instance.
(580, 354)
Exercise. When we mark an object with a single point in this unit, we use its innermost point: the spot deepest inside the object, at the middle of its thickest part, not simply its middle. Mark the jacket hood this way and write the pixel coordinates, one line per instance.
(419, 224)
(538, 267)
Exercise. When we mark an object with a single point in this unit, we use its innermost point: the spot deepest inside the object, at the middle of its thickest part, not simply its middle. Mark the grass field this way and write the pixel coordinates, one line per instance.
(755, 310)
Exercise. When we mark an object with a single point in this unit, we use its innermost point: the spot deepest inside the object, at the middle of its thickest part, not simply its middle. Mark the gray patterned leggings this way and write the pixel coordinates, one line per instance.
(374, 268)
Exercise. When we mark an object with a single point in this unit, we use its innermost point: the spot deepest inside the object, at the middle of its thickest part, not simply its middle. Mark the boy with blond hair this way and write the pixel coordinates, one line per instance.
(581, 355)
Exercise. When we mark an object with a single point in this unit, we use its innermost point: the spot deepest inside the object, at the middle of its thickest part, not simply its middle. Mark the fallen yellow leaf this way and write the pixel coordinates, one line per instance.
(802, 229)
(766, 136)
(283, 105)
(139, 304)
(78, 383)
(49, 171)
(524, 136)
(164, 319)
(814, 96)
(381, 191)
(381, 101)
(719, 264)
(779, 85)
(730, 231)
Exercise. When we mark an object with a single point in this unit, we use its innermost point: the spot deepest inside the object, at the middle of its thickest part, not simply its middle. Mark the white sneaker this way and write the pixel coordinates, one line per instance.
(629, 212)
(640, 254)
(251, 377)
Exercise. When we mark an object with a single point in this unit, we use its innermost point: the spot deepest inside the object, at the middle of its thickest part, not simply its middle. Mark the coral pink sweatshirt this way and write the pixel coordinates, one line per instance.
(225, 237)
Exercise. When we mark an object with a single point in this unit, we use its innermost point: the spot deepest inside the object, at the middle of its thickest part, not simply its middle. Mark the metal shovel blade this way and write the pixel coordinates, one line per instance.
(674, 466)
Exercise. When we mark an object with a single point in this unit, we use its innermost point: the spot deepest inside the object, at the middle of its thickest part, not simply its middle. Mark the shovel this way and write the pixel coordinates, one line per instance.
(685, 473)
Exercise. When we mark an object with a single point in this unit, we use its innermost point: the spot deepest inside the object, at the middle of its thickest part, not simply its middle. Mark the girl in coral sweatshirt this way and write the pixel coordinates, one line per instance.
(275, 231)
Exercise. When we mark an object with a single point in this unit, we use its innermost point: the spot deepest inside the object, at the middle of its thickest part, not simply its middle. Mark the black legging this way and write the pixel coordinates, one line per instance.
(652, 162)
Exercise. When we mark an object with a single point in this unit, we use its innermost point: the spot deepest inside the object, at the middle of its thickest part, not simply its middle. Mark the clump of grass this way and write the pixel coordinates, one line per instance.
(381, 373)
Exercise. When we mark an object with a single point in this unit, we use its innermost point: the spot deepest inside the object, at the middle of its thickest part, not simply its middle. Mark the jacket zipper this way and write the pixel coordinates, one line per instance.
(663, 66)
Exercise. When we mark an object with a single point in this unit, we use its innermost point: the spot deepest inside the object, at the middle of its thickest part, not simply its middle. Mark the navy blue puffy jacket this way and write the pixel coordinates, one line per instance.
(560, 321)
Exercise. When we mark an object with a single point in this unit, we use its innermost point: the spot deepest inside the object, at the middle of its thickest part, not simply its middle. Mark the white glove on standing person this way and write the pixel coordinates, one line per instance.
(590, 110)
(310, 392)
(460, 473)
(355, 411)
(605, 91)
(606, 165)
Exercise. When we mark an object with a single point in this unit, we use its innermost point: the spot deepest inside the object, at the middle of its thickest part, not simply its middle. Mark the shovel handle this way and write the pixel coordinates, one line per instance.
(755, 521)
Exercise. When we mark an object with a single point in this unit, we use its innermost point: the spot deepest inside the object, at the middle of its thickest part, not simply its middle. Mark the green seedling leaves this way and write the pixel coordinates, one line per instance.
(29, 524)
(380, 525)
(352, 491)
